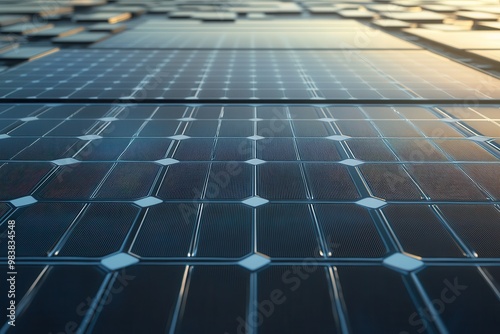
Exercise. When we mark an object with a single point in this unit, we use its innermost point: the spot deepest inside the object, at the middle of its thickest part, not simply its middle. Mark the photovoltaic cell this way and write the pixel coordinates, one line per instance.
(229, 222)
(96, 234)
(313, 149)
(280, 181)
(201, 128)
(155, 286)
(311, 129)
(357, 128)
(416, 150)
(232, 149)
(476, 228)
(420, 232)
(370, 150)
(330, 181)
(465, 150)
(368, 306)
(166, 231)
(236, 128)
(229, 180)
(184, 181)
(349, 231)
(74, 181)
(276, 127)
(227, 282)
(486, 175)
(20, 179)
(286, 231)
(390, 181)
(279, 149)
(194, 149)
(456, 186)
(291, 290)
(129, 181)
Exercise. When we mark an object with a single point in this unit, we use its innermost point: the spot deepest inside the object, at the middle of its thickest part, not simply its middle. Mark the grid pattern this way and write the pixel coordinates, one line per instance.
(104, 177)
(181, 176)
(216, 75)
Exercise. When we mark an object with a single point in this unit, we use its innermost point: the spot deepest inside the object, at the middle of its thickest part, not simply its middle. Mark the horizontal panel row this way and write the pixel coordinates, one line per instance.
(371, 75)
(383, 303)
(242, 149)
(181, 230)
(115, 128)
(234, 181)
(245, 112)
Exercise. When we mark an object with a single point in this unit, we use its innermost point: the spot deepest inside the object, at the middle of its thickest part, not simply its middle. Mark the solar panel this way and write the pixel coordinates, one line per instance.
(27, 53)
(7, 20)
(57, 32)
(490, 55)
(460, 40)
(107, 27)
(102, 17)
(297, 75)
(251, 167)
(25, 28)
(81, 38)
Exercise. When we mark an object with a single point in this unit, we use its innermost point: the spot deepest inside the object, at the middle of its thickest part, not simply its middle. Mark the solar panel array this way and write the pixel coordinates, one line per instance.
(265, 174)
(272, 75)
